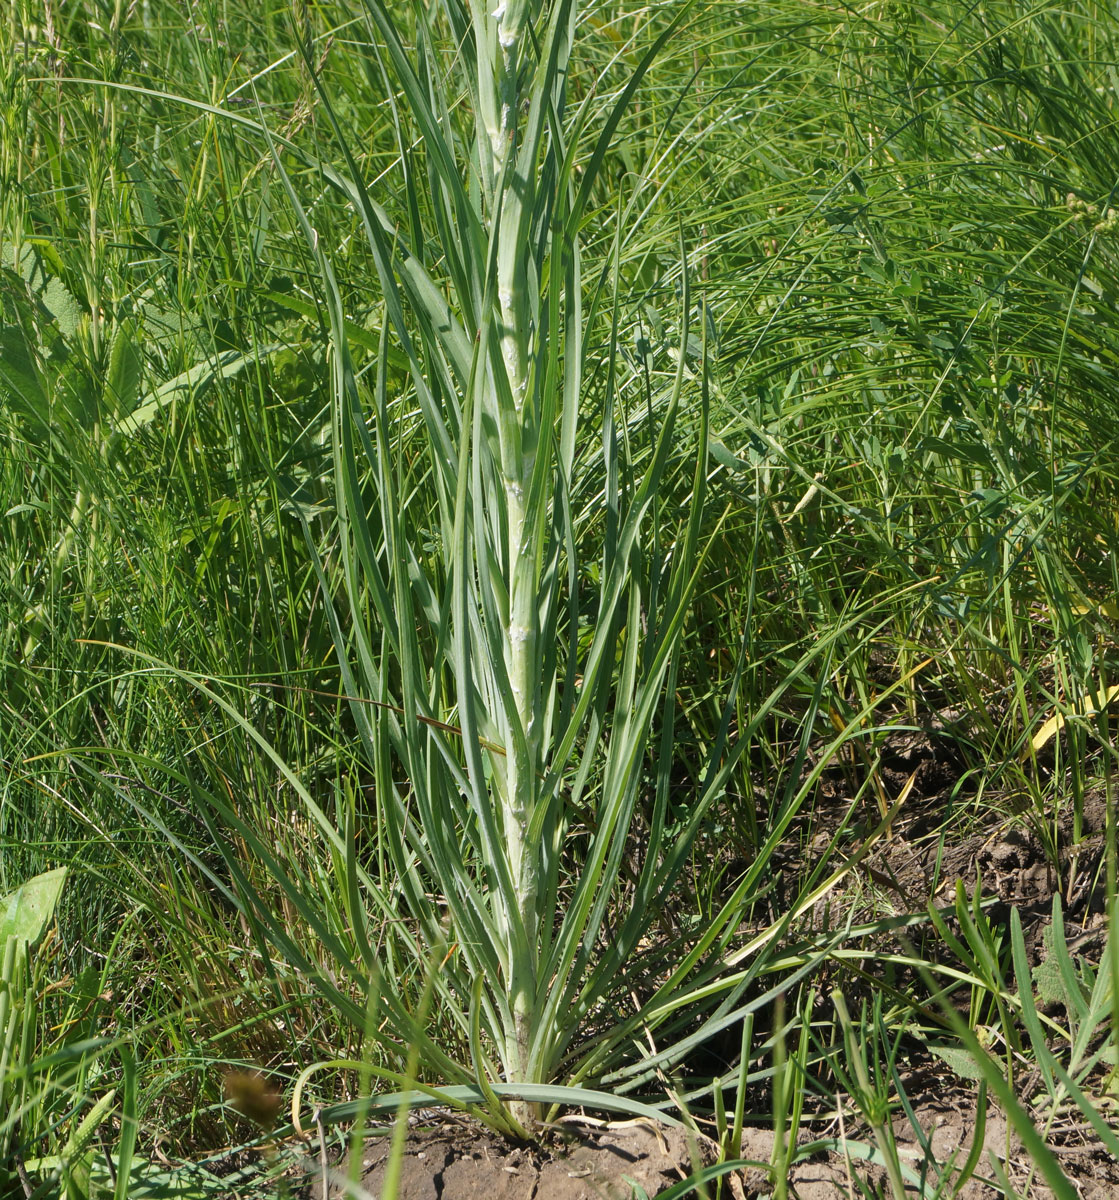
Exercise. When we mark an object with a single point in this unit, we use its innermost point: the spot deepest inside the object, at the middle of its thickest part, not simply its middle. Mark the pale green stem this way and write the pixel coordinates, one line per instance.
(517, 776)
(521, 636)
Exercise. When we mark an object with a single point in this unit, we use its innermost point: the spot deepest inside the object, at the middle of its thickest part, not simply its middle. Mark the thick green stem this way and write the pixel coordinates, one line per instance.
(520, 797)
(501, 33)
(521, 648)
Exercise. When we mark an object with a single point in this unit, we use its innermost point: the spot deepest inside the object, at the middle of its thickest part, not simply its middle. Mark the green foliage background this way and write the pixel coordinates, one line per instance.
(899, 233)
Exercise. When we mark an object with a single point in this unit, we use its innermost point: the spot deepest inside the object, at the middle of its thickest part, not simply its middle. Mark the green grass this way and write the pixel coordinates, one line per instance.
(795, 427)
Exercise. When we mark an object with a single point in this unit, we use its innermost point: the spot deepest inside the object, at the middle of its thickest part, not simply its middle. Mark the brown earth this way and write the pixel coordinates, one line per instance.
(458, 1160)
(577, 1161)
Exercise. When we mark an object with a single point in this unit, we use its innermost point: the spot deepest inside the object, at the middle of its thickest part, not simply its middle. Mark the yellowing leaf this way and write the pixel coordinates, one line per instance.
(1107, 609)
(1088, 706)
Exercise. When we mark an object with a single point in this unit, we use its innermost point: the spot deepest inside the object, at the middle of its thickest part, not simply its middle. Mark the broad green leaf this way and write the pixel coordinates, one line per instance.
(723, 456)
(19, 374)
(189, 383)
(58, 301)
(123, 382)
(26, 912)
(959, 1060)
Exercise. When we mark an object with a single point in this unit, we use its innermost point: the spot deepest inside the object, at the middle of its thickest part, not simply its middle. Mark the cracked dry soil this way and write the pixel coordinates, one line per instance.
(458, 1160)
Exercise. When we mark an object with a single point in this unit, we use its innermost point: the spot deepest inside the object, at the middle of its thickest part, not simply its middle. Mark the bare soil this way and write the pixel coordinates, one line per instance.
(577, 1161)
(462, 1161)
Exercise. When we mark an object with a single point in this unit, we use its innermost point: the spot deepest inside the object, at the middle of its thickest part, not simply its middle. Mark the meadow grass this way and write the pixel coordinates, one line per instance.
(469, 479)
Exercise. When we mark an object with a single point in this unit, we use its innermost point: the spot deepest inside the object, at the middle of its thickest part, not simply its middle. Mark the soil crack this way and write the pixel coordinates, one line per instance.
(437, 1177)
